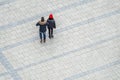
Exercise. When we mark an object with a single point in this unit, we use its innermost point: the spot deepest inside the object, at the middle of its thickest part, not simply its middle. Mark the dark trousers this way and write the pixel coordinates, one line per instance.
(44, 35)
(50, 31)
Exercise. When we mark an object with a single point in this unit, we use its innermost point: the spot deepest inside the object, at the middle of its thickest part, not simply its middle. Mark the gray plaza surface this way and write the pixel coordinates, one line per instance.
(86, 43)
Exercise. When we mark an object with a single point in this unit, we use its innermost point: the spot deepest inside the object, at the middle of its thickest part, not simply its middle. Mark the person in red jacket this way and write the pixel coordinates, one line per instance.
(51, 25)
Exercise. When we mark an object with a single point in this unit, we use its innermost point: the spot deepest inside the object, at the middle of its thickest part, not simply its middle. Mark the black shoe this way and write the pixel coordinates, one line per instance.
(52, 36)
(44, 40)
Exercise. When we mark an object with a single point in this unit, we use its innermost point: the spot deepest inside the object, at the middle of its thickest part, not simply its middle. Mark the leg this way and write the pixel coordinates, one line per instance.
(44, 34)
(49, 31)
(41, 37)
(52, 32)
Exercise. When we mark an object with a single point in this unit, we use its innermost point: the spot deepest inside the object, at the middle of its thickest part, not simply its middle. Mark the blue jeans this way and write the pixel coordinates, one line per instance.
(43, 35)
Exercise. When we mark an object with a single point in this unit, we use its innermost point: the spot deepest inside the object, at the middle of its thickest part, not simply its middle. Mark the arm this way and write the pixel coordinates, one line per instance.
(54, 25)
(47, 23)
(37, 24)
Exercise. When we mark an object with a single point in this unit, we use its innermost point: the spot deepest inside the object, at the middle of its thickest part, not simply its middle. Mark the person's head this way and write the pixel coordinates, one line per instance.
(51, 16)
(42, 19)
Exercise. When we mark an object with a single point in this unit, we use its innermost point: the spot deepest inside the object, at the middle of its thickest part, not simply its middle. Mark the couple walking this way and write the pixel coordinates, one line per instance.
(43, 25)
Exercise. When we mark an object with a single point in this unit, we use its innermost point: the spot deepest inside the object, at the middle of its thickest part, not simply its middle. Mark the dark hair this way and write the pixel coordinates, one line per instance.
(50, 18)
(42, 19)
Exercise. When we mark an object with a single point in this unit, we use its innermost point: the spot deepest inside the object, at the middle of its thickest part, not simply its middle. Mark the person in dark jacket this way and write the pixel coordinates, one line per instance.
(42, 29)
(51, 25)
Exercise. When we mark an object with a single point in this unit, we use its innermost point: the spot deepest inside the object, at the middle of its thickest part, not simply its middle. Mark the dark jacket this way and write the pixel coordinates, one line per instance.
(51, 23)
(42, 25)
